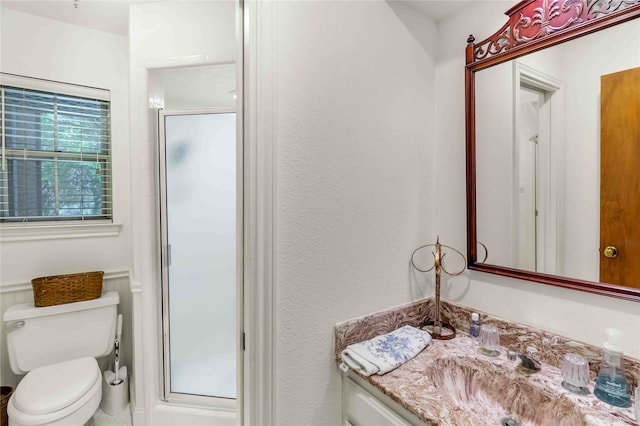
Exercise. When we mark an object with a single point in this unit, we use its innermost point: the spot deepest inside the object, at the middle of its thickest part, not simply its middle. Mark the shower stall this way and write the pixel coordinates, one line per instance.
(199, 217)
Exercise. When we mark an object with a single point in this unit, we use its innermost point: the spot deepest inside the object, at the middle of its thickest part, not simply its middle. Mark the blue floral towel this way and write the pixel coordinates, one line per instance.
(385, 352)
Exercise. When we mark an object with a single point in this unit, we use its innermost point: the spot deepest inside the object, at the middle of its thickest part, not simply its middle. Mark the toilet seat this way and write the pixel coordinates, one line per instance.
(65, 393)
(53, 387)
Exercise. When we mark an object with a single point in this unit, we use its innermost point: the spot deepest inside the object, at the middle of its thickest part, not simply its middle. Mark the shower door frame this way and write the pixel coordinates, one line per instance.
(199, 401)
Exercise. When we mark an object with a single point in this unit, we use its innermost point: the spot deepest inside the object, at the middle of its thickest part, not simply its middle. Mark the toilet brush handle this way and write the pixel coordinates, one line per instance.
(117, 380)
(119, 327)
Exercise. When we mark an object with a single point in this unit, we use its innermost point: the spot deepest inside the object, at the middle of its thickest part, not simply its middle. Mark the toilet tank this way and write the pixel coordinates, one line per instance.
(51, 334)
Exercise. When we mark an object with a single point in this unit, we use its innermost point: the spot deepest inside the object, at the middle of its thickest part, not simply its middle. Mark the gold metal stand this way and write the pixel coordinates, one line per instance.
(438, 329)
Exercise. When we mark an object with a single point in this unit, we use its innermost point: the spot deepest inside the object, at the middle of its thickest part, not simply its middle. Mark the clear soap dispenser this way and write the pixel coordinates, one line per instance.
(612, 386)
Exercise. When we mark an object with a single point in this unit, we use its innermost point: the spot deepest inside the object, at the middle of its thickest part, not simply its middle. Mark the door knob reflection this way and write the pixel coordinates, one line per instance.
(610, 252)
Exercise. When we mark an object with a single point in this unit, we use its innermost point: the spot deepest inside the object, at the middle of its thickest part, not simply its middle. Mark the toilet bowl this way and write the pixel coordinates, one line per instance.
(62, 394)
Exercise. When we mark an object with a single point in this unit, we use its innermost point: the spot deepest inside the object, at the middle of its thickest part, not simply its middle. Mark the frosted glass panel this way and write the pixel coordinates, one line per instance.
(200, 152)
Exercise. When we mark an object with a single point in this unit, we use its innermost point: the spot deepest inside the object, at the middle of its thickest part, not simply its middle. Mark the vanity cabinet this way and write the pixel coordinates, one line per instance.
(451, 383)
(363, 405)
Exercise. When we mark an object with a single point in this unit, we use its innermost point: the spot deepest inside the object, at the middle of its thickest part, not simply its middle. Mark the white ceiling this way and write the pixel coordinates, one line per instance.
(104, 15)
(437, 9)
(113, 15)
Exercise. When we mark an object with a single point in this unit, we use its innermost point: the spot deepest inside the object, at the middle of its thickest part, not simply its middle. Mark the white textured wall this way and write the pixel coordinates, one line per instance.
(355, 132)
(71, 54)
(575, 314)
(494, 161)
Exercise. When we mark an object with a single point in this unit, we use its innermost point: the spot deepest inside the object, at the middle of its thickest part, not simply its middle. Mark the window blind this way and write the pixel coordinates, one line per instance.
(56, 155)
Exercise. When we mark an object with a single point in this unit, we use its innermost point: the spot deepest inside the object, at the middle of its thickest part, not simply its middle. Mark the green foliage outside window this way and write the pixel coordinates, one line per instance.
(57, 157)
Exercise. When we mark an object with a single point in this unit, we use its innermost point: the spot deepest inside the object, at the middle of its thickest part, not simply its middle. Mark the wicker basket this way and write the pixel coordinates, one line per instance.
(6, 392)
(59, 289)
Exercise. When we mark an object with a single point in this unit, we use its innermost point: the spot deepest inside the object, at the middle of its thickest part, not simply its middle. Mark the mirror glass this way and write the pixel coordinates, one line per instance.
(538, 155)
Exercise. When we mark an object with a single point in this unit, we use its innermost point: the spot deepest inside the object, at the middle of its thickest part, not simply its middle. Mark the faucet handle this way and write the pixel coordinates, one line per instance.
(528, 362)
(553, 341)
(532, 351)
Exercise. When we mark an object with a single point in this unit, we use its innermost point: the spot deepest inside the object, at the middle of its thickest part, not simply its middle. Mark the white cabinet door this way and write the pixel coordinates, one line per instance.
(363, 409)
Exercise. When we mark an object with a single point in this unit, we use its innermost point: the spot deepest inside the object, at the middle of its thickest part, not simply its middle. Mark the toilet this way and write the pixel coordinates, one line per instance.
(56, 347)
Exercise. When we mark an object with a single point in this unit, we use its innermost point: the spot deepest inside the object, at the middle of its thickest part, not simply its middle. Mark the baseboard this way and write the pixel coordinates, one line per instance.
(137, 415)
(168, 415)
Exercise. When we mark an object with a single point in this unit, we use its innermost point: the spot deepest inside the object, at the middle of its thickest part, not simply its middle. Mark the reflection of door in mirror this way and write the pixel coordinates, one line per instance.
(537, 144)
(620, 180)
(528, 236)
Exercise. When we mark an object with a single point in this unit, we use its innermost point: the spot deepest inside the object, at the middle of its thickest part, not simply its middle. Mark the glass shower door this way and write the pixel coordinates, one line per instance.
(199, 229)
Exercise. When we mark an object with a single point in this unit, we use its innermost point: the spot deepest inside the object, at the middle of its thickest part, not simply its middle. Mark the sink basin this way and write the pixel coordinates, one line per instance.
(479, 393)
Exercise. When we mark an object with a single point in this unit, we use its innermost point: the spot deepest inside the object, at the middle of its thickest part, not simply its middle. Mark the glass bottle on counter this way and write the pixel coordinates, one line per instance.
(474, 325)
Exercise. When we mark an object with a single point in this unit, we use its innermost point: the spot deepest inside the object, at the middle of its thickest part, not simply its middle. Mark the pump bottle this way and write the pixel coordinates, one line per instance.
(612, 386)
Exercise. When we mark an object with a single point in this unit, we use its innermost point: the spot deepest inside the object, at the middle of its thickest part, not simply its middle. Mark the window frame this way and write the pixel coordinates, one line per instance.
(32, 226)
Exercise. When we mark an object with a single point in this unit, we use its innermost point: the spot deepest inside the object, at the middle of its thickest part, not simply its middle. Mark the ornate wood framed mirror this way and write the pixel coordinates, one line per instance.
(553, 146)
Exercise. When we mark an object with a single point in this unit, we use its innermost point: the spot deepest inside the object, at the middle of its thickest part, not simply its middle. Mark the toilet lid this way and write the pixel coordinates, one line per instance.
(53, 387)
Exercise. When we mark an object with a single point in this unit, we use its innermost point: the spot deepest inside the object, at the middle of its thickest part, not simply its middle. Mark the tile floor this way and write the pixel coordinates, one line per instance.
(102, 419)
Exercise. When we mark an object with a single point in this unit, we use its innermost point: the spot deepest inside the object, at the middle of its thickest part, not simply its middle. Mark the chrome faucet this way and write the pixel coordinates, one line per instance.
(528, 362)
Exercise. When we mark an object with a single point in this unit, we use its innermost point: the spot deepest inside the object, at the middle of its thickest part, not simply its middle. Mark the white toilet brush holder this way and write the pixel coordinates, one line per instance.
(115, 397)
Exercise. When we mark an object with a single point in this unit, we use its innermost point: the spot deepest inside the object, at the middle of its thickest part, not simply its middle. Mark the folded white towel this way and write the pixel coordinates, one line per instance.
(385, 352)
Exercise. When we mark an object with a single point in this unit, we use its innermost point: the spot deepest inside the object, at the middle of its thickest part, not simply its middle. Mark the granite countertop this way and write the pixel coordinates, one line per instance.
(477, 387)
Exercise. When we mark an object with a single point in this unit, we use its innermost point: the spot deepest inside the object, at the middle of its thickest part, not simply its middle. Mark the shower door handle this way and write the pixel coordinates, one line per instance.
(168, 255)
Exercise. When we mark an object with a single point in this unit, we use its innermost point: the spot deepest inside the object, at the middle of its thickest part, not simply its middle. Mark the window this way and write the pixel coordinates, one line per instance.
(55, 160)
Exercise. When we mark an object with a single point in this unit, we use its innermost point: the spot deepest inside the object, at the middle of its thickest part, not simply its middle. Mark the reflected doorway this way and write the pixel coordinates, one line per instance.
(537, 192)
(619, 178)
(529, 237)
